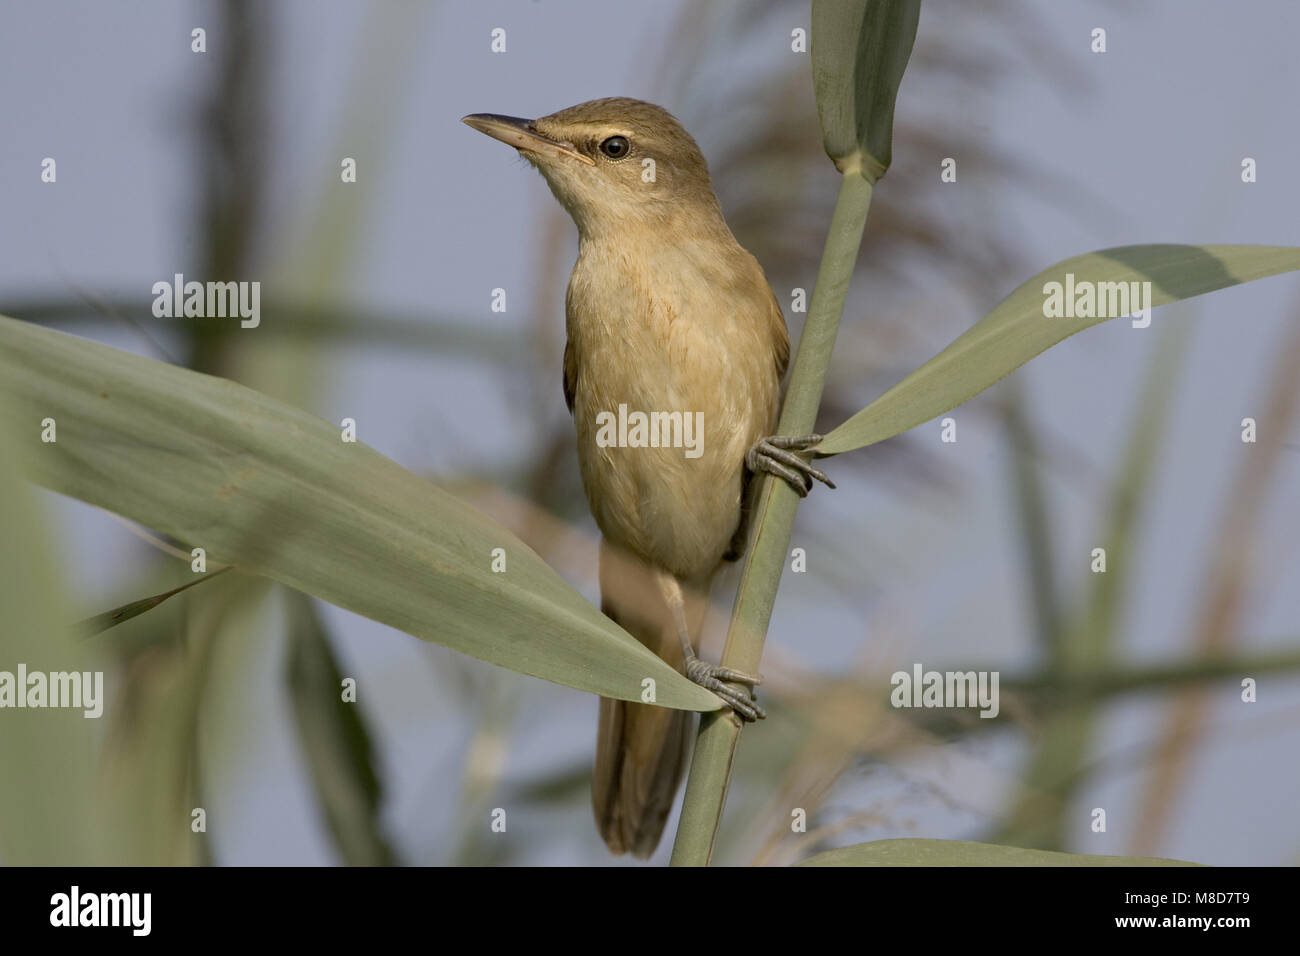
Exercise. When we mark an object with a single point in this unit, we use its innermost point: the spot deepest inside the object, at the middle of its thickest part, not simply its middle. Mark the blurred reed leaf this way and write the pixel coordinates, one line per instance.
(47, 755)
(275, 491)
(334, 740)
(1029, 502)
(150, 764)
(102, 622)
(963, 853)
(1016, 331)
(860, 49)
(295, 321)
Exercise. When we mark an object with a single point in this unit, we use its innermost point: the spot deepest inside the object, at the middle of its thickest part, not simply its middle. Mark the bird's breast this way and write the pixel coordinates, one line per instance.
(673, 378)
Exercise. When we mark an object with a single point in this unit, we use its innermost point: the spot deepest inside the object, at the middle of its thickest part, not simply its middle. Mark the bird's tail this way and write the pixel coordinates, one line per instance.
(640, 749)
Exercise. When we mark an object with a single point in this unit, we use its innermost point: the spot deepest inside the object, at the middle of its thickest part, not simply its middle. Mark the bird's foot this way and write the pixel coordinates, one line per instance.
(711, 677)
(776, 456)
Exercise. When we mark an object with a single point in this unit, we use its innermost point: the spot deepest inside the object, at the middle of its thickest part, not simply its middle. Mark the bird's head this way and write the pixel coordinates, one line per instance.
(615, 163)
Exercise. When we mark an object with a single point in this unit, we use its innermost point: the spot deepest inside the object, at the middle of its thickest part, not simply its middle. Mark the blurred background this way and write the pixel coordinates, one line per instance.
(1120, 691)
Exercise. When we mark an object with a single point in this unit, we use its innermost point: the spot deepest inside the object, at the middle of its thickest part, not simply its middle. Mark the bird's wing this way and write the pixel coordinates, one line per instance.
(571, 372)
(780, 336)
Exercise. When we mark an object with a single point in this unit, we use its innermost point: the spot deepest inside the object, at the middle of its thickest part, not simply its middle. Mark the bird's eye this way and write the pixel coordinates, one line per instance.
(615, 147)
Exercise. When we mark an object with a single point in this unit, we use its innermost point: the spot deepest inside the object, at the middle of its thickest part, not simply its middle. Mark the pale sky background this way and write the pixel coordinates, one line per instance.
(1155, 134)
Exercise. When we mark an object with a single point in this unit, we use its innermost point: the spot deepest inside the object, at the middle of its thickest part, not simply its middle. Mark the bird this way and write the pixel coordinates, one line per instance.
(665, 314)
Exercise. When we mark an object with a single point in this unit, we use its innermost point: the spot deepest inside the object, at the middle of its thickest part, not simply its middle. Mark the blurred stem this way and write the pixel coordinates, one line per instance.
(1158, 677)
(771, 524)
(485, 761)
(1049, 696)
(1031, 509)
(232, 134)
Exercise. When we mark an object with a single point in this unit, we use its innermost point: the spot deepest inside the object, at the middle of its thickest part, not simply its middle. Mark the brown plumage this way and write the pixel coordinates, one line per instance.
(665, 312)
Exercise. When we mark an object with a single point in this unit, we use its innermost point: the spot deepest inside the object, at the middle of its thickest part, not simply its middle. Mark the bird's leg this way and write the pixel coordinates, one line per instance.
(776, 456)
(709, 676)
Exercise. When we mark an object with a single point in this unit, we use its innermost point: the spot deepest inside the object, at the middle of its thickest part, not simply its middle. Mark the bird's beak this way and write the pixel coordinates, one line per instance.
(521, 134)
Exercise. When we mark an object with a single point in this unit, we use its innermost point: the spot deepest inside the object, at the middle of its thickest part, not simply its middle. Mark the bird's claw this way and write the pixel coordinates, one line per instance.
(775, 455)
(712, 676)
